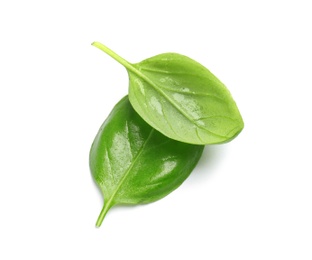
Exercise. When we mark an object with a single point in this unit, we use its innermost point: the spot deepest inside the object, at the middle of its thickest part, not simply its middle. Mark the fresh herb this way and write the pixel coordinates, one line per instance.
(181, 99)
(154, 137)
(133, 163)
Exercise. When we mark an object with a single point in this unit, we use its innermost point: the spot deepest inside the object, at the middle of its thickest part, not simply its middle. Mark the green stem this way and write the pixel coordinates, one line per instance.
(102, 215)
(114, 55)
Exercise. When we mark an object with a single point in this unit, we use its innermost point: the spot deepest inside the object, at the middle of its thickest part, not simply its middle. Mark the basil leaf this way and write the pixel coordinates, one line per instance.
(181, 99)
(132, 163)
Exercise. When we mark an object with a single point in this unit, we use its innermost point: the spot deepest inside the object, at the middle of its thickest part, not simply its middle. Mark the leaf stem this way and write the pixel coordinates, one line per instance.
(114, 55)
(102, 215)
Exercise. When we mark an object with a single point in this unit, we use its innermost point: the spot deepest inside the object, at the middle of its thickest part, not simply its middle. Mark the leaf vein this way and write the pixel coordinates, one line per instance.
(191, 93)
(168, 72)
(161, 92)
(198, 136)
(209, 117)
(129, 169)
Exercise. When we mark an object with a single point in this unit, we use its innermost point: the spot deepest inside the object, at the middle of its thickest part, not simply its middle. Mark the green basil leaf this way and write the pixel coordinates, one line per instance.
(132, 163)
(181, 99)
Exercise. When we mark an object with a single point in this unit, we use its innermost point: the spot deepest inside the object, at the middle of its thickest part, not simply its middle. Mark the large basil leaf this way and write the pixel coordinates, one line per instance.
(132, 163)
(181, 98)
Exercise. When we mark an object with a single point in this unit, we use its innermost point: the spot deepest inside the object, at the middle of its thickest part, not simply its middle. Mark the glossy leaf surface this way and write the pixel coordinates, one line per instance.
(181, 98)
(132, 163)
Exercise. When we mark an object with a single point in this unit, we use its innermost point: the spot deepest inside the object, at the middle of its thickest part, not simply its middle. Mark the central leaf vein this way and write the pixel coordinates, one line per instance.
(127, 173)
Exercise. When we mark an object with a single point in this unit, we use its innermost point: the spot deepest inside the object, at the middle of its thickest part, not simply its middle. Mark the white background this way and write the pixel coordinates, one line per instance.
(248, 199)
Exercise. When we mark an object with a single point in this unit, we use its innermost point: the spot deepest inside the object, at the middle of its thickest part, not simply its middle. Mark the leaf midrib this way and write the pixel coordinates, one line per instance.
(127, 173)
(147, 79)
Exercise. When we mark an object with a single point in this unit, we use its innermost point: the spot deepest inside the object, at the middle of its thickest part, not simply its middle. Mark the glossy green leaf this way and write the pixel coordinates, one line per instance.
(132, 163)
(181, 98)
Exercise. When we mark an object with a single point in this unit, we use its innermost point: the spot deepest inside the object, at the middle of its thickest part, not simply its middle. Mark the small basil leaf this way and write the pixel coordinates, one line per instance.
(181, 98)
(132, 163)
